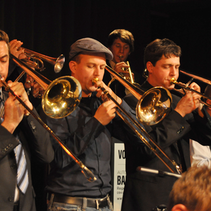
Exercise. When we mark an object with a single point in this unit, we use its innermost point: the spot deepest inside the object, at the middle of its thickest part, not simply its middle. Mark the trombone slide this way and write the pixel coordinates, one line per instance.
(87, 173)
(144, 140)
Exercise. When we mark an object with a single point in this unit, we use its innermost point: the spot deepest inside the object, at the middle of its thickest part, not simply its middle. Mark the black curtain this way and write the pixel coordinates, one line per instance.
(50, 27)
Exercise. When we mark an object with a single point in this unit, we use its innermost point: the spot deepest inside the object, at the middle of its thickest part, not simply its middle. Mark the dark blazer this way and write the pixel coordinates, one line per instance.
(144, 191)
(32, 135)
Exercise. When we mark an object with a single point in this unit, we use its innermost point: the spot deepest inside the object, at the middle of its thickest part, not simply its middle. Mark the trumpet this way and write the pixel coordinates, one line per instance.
(64, 92)
(146, 136)
(185, 86)
(35, 60)
(127, 75)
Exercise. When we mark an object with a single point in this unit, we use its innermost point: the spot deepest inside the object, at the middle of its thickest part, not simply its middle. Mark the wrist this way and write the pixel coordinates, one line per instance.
(180, 112)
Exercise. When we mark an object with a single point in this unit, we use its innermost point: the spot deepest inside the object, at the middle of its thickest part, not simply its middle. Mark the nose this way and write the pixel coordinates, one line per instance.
(97, 71)
(121, 49)
(173, 71)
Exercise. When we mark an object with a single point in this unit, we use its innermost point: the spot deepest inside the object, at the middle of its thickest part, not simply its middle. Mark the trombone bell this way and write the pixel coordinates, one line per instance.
(152, 106)
(62, 97)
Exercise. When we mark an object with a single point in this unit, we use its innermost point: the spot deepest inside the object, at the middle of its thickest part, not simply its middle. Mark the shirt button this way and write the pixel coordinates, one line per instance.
(10, 199)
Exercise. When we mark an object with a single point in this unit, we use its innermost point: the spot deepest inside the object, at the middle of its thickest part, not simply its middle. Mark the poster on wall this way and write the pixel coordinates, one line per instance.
(119, 175)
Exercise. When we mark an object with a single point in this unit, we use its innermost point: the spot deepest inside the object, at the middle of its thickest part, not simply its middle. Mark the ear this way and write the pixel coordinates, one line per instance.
(149, 66)
(179, 207)
(72, 66)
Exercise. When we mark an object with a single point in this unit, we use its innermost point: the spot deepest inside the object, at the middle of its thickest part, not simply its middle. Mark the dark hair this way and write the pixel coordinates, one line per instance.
(4, 37)
(207, 91)
(193, 189)
(124, 35)
(159, 47)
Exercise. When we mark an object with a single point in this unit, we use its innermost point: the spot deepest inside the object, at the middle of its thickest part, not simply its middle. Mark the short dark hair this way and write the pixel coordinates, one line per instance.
(207, 91)
(193, 189)
(159, 47)
(124, 35)
(4, 37)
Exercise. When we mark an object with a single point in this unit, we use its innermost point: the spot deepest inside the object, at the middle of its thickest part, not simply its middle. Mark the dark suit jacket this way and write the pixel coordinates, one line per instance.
(144, 191)
(32, 135)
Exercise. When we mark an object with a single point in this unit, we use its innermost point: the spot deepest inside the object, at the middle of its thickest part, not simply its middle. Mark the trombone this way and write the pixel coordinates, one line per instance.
(61, 98)
(185, 86)
(153, 105)
(156, 109)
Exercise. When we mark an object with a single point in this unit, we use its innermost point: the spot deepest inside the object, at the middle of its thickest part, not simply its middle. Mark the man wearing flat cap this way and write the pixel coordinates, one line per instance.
(87, 132)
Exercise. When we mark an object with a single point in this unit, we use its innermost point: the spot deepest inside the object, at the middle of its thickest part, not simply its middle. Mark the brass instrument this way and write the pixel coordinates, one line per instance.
(127, 75)
(185, 86)
(65, 92)
(35, 60)
(61, 96)
(146, 136)
(151, 108)
(153, 105)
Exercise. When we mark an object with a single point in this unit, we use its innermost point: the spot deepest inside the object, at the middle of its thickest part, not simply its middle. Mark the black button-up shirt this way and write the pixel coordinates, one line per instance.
(90, 141)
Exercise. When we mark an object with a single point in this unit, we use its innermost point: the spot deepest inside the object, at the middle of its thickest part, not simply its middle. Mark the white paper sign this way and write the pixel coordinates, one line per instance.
(119, 175)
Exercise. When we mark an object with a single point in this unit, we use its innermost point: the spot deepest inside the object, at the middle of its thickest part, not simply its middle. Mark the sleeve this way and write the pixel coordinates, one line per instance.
(7, 143)
(199, 155)
(39, 139)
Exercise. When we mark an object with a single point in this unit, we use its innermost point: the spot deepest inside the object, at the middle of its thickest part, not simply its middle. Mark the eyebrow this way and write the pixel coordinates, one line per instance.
(6, 55)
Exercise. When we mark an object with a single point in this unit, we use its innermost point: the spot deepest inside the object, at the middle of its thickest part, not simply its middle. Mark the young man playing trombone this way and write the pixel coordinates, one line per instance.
(18, 131)
(144, 190)
(87, 131)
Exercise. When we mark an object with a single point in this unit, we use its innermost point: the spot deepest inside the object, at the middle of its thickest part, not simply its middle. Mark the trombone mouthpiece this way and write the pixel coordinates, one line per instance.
(173, 80)
(95, 80)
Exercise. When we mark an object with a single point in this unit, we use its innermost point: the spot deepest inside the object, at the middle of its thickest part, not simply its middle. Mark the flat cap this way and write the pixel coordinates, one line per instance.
(88, 46)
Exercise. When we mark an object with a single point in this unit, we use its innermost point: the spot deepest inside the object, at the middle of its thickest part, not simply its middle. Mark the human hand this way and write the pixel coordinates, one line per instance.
(106, 112)
(123, 69)
(19, 90)
(102, 87)
(190, 101)
(16, 50)
(13, 109)
(35, 88)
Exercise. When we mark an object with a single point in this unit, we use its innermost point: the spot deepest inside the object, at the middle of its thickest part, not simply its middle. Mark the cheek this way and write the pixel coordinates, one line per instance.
(127, 52)
(115, 51)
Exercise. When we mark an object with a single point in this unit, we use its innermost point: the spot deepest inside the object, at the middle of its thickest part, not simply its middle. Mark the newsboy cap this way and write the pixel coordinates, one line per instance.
(89, 46)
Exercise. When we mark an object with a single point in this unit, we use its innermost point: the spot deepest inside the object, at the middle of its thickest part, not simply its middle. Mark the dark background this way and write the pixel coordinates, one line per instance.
(51, 26)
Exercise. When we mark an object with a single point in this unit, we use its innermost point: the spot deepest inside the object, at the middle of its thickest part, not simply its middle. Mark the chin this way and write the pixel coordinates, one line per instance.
(170, 87)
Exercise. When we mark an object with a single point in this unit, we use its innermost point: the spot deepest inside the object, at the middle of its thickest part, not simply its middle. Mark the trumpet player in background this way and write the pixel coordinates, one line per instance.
(145, 191)
(21, 137)
(34, 90)
(121, 44)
